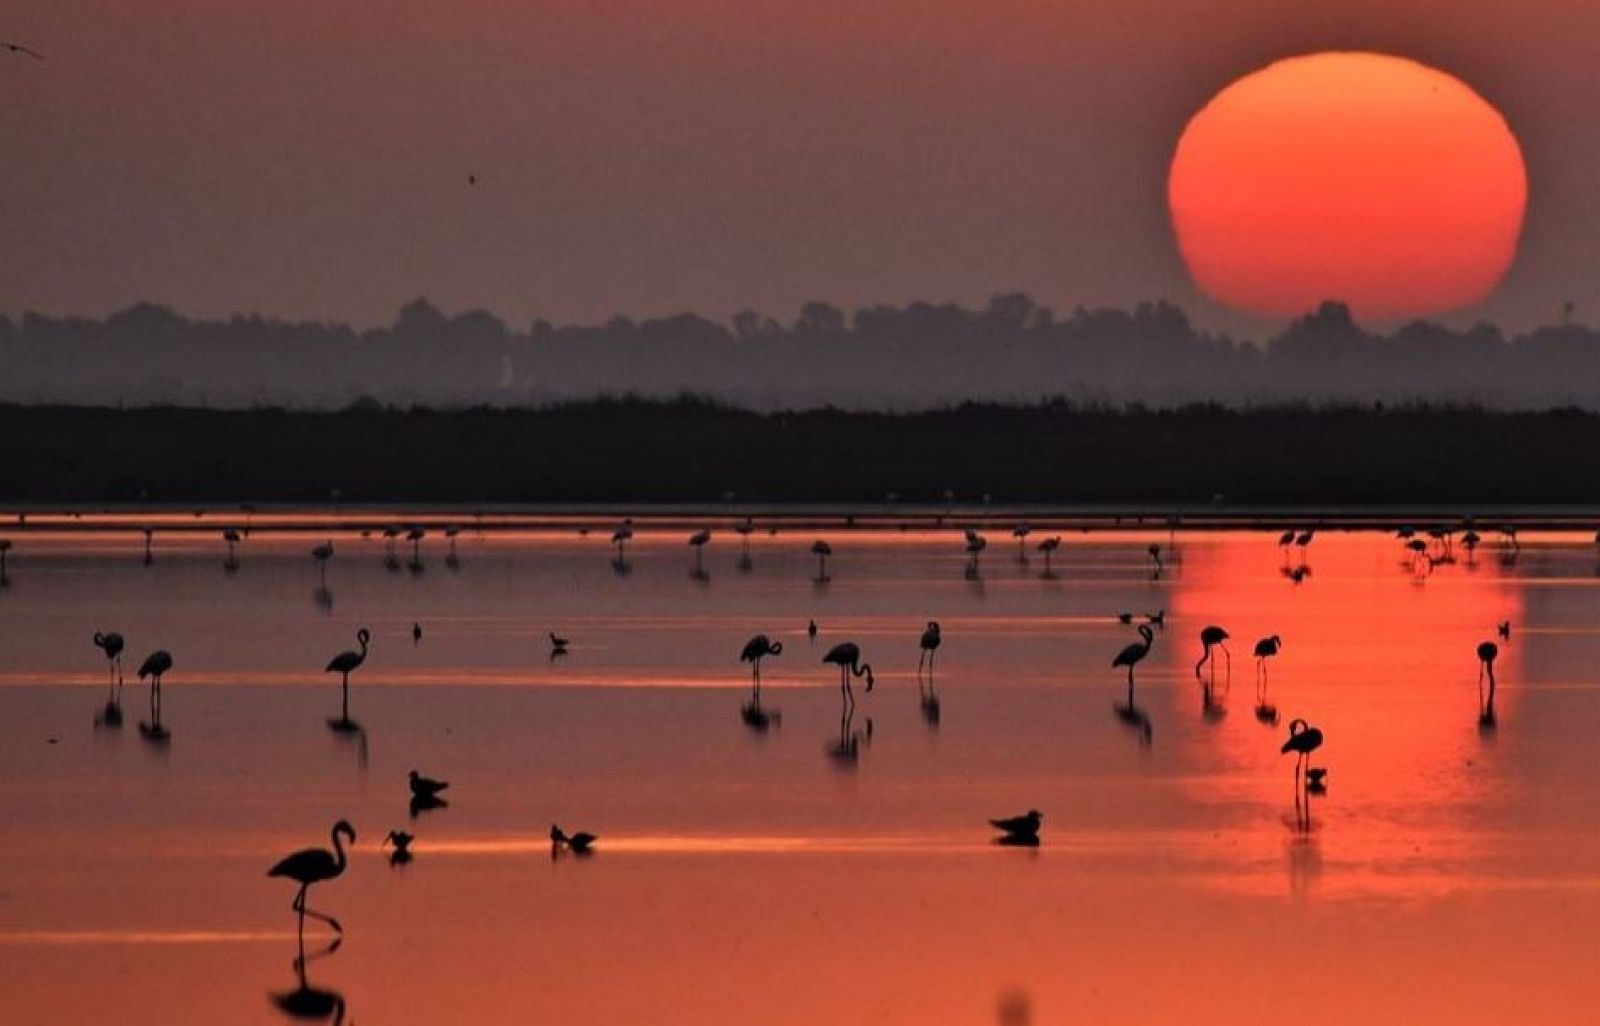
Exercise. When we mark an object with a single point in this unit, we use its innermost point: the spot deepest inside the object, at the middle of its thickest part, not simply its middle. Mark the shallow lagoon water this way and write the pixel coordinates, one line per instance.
(1451, 872)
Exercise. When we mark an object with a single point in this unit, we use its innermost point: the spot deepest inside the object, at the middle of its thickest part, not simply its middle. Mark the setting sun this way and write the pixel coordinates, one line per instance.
(1353, 176)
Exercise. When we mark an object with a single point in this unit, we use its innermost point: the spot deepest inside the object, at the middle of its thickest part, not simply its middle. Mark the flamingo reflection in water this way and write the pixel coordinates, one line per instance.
(306, 1003)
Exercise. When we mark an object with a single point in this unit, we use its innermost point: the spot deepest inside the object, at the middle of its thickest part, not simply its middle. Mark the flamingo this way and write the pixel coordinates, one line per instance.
(314, 865)
(1021, 830)
(822, 550)
(155, 665)
(322, 553)
(1048, 547)
(149, 539)
(1266, 648)
(976, 543)
(744, 531)
(342, 664)
(1133, 654)
(1303, 740)
(1302, 540)
(847, 656)
(1020, 533)
(579, 843)
(698, 540)
(1155, 557)
(5, 547)
(1285, 540)
(929, 643)
(451, 533)
(620, 538)
(1209, 637)
(415, 536)
(1488, 651)
(231, 537)
(111, 644)
(755, 650)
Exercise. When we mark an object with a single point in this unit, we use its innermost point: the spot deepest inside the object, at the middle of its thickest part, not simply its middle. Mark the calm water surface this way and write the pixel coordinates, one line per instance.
(1451, 872)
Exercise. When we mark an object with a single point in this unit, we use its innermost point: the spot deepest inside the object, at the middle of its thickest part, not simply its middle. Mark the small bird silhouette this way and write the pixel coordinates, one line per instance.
(1022, 829)
(424, 788)
(416, 633)
(579, 843)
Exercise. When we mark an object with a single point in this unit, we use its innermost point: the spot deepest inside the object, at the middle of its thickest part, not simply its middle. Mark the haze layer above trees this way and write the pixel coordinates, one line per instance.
(917, 357)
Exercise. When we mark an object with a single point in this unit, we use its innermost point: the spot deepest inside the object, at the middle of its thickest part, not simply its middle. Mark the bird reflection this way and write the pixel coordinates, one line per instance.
(846, 750)
(1136, 718)
(306, 1003)
(322, 598)
(757, 717)
(1015, 1009)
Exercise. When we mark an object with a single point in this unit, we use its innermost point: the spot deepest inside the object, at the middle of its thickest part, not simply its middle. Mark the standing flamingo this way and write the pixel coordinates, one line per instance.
(1155, 557)
(1020, 533)
(847, 656)
(5, 547)
(149, 540)
(976, 543)
(451, 533)
(1048, 547)
(698, 542)
(1133, 654)
(929, 643)
(1303, 740)
(1488, 651)
(322, 553)
(342, 664)
(1303, 540)
(231, 537)
(1266, 648)
(822, 550)
(1210, 637)
(415, 536)
(111, 644)
(744, 530)
(155, 666)
(755, 650)
(619, 539)
(1285, 540)
(314, 865)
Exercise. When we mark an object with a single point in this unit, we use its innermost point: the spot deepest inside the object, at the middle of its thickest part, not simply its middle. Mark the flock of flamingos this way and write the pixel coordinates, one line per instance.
(1425, 549)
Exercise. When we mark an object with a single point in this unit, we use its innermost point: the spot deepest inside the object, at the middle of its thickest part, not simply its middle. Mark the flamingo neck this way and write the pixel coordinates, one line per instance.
(338, 849)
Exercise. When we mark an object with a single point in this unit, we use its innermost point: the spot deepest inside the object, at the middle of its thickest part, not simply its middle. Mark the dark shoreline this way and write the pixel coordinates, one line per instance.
(627, 453)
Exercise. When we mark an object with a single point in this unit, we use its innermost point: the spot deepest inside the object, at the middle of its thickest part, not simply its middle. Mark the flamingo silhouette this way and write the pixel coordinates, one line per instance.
(1210, 637)
(698, 542)
(451, 533)
(976, 543)
(231, 537)
(822, 550)
(1285, 540)
(744, 531)
(1266, 648)
(1155, 557)
(155, 665)
(931, 639)
(149, 540)
(755, 650)
(1303, 740)
(1303, 540)
(1488, 651)
(322, 553)
(1049, 547)
(342, 664)
(1133, 654)
(619, 539)
(1020, 533)
(415, 536)
(5, 547)
(847, 656)
(111, 644)
(314, 865)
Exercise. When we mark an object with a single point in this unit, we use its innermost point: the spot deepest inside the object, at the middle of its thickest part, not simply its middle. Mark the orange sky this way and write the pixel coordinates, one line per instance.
(309, 159)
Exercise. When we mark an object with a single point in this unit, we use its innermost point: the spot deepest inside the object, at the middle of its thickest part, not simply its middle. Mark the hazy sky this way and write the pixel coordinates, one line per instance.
(309, 158)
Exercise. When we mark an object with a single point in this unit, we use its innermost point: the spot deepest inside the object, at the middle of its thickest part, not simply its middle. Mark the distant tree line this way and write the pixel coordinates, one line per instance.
(919, 356)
